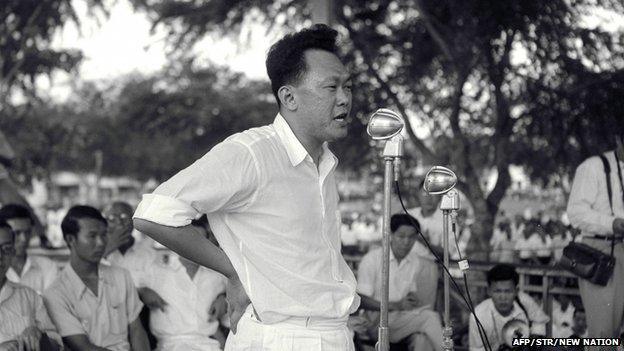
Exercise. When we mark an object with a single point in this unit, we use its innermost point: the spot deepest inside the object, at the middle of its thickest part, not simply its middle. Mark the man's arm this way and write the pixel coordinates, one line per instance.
(67, 324)
(137, 336)
(474, 339)
(189, 243)
(45, 324)
(81, 343)
(371, 304)
(535, 313)
(589, 178)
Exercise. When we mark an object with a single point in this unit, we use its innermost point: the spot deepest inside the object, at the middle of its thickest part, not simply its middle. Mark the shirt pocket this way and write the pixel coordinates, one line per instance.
(118, 319)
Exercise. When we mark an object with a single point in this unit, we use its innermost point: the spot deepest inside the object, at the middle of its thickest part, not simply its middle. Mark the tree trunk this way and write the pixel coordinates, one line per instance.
(481, 230)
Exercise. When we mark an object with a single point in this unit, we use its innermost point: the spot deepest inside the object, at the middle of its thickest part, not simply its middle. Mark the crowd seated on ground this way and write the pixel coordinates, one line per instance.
(521, 240)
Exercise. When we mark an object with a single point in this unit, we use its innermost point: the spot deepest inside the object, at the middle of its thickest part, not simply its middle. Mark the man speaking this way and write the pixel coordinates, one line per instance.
(272, 202)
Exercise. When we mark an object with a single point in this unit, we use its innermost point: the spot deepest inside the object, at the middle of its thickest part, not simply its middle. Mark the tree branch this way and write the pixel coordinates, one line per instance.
(435, 34)
(427, 153)
(5, 82)
(504, 125)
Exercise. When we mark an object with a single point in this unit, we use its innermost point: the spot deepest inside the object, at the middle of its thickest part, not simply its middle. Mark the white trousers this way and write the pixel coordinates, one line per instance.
(296, 334)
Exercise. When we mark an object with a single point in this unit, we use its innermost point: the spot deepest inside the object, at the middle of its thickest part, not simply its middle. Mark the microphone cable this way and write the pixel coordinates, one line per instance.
(482, 334)
(479, 325)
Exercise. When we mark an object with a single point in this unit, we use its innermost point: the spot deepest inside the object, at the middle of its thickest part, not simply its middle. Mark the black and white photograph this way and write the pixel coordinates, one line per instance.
(311, 175)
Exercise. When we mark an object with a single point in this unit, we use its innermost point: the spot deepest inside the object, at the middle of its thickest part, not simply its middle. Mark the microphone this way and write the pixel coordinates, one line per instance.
(439, 180)
(386, 124)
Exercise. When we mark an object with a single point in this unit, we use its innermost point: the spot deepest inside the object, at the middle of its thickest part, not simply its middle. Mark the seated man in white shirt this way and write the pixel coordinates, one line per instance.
(562, 316)
(24, 321)
(579, 323)
(94, 306)
(505, 304)
(195, 297)
(35, 272)
(123, 251)
(411, 316)
(190, 290)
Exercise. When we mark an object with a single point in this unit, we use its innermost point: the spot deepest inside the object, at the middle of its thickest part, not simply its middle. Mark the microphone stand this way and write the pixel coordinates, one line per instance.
(393, 150)
(449, 206)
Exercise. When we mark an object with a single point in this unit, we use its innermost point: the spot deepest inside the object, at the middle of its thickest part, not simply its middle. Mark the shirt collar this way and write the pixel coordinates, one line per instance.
(7, 290)
(30, 263)
(174, 262)
(118, 256)
(516, 311)
(295, 150)
(12, 274)
(407, 258)
(77, 285)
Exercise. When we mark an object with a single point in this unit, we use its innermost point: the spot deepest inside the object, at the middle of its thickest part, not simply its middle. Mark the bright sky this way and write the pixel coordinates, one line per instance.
(122, 43)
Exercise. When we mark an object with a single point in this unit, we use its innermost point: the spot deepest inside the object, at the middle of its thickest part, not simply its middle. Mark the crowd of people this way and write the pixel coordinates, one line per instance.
(114, 272)
(94, 301)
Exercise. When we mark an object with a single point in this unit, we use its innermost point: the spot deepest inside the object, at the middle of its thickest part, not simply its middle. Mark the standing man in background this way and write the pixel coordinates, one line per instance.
(601, 222)
(271, 199)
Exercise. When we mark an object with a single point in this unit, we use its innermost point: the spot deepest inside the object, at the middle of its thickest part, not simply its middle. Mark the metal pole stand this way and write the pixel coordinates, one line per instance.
(392, 152)
(449, 206)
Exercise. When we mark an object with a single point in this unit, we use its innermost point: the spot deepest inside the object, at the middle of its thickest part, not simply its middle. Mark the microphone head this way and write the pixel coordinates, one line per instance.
(439, 180)
(384, 124)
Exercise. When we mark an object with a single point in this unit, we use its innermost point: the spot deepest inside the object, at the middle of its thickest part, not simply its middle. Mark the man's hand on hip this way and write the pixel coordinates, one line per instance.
(237, 300)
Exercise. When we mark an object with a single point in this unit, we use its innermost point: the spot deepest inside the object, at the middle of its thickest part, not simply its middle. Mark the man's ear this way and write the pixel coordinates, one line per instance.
(287, 97)
(70, 240)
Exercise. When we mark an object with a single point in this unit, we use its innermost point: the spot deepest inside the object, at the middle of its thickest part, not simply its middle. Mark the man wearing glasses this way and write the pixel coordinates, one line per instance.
(23, 317)
(123, 251)
(411, 308)
(37, 272)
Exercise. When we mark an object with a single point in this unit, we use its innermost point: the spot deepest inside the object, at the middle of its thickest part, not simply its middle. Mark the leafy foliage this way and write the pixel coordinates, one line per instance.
(151, 127)
(26, 31)
(494, 83)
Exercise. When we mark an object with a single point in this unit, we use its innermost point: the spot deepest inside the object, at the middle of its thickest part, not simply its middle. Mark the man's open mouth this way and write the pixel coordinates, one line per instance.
(341, 117)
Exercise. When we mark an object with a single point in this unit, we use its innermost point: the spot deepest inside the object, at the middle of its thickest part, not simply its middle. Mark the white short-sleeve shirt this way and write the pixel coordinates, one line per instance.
(103, 318)
(274, 213)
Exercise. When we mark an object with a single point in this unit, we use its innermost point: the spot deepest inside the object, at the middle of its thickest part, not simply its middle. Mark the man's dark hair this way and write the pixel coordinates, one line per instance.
(285, 61)
(5, 225)
(70, 225)
(14, 211)
(123, 204)
(502, 272)
(400, 219)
